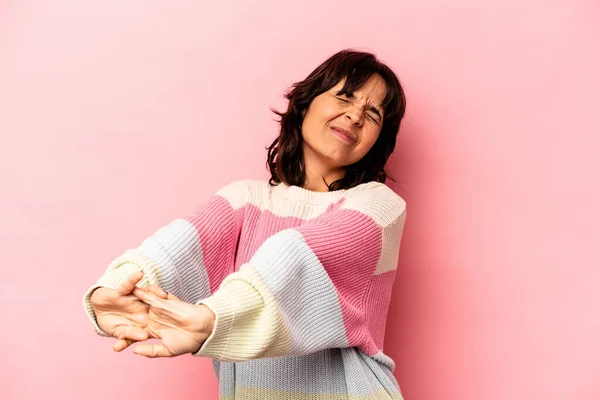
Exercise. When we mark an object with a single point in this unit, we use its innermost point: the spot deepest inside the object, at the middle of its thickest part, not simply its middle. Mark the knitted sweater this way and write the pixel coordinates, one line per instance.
(299, 281)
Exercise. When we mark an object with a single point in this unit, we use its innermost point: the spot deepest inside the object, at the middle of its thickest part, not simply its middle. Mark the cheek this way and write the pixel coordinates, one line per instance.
(324, 112)
(370, 137)
(317, 117)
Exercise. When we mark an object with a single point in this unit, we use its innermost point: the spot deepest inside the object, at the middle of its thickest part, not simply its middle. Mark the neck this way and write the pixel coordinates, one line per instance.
(319, 174)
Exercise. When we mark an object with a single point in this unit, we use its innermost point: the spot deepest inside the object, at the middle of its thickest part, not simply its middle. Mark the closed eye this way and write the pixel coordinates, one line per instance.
(375, 119)
(373, 114)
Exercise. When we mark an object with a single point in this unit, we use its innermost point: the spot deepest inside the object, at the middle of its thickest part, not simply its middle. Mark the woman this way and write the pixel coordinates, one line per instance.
(292, 276)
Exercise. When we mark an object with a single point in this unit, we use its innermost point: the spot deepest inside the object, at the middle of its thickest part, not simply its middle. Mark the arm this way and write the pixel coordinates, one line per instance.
(190, 256)
(324, 284)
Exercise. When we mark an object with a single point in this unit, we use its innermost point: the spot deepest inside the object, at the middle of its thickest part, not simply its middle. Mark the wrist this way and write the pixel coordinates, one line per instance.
(210, 320)
(206, 327)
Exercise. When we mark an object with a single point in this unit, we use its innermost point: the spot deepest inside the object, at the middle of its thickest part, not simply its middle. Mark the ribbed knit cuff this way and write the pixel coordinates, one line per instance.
(233, 306)
(248, 323)
(87, 304)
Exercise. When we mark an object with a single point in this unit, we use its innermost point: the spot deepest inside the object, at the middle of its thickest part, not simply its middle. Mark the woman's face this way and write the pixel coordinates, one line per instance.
(339, 130)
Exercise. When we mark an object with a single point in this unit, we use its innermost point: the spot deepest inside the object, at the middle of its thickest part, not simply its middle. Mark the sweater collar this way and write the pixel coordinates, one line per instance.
(309, 196)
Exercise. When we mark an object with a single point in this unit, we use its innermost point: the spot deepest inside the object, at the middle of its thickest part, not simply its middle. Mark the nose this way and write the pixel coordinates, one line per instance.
(354, 114)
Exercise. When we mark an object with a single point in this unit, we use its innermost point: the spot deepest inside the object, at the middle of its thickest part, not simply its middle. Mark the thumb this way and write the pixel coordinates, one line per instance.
(130, 283)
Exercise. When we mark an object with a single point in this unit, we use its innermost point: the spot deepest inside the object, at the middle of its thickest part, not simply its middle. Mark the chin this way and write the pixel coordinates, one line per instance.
(335, 162)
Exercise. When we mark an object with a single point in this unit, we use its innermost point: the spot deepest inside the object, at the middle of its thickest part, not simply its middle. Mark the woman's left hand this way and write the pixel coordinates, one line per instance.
(182, 327)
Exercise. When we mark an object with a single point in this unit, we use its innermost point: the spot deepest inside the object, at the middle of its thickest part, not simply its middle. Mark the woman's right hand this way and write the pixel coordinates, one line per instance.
(122, 315)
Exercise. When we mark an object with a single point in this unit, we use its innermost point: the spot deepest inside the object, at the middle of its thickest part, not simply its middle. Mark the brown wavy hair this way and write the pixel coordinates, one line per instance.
(285, 158)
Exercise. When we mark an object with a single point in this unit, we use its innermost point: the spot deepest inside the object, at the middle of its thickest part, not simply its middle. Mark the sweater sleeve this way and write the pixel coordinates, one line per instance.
(324, 284)
(190, 256)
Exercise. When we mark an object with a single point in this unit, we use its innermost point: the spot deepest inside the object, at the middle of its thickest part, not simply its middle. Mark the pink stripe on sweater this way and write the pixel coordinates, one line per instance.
(218, 226)
(259, 226)
(350, 256)
(377, 303)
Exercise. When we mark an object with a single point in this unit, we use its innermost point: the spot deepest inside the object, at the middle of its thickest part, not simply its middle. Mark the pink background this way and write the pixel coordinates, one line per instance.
(117, 117)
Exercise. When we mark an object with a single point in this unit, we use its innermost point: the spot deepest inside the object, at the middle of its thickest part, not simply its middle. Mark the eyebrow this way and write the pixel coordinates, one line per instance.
(375, 110)
(370, 107)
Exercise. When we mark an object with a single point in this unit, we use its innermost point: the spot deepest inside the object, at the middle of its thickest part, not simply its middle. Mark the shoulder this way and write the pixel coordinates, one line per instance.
(240, 192)
(376, 200)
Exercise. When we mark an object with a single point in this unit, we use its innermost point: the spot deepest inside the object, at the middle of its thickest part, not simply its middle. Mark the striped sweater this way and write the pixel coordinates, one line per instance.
(299, 281)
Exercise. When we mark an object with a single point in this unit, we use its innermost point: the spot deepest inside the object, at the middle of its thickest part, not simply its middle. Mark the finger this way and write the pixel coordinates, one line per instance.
(152, 350)
(122, 344)
(147, 297)
(130, 332)
(171, 296)
(126, 287)
(157, 290)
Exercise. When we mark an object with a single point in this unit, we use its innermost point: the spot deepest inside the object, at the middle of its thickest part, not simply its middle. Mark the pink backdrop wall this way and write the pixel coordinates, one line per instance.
(117, 117)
